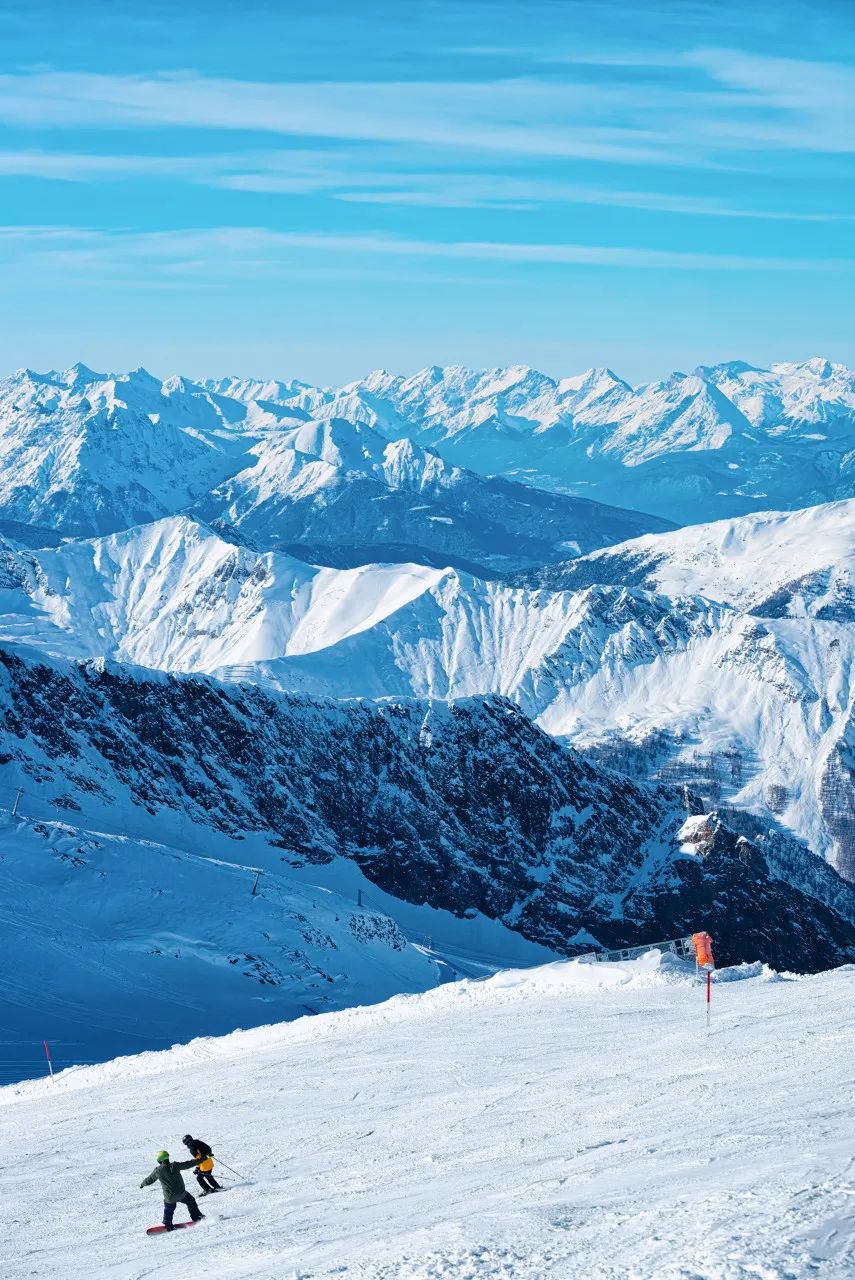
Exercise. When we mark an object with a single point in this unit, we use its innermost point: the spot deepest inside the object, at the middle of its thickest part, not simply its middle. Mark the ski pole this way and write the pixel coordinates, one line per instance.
(234, 1171)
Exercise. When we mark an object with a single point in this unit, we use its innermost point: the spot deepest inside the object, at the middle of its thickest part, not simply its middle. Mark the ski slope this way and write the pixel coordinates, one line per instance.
(574, 1121)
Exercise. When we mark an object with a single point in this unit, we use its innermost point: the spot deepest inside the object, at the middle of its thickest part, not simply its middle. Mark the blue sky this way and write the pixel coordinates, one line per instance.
(317, 190)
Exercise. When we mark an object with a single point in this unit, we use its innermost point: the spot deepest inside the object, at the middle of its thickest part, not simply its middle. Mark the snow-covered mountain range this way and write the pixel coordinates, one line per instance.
(345, 469)
(198, 580)
(720, 441)
(86, 454)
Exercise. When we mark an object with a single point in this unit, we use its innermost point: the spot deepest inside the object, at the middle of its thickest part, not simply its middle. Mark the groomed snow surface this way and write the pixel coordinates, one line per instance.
(575, 1120)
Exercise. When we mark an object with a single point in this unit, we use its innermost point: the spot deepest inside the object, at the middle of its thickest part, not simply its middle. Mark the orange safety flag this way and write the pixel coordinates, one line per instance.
(703, 950)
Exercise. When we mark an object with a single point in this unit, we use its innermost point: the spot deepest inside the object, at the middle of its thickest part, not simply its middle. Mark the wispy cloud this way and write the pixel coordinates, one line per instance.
(341, 176)
(72, 166)
(724, 99)
(797, 103)
(474, 116)
(268, 251)
(456, 191)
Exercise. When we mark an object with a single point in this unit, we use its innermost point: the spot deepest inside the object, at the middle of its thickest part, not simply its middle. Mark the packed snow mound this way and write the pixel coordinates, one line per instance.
(651, 969)
(534, 1125)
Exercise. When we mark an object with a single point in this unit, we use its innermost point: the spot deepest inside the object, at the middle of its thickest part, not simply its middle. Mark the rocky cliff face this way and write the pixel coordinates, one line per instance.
(782, 585)
(837, 796)
(464, 806)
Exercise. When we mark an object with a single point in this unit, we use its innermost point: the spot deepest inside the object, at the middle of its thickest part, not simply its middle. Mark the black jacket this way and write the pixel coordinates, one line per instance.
(199, 1148)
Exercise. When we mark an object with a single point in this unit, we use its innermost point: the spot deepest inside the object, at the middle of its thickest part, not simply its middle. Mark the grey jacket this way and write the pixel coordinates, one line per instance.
(168, 1174)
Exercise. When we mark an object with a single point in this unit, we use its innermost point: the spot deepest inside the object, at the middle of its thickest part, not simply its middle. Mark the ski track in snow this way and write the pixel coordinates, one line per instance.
(574, 1121)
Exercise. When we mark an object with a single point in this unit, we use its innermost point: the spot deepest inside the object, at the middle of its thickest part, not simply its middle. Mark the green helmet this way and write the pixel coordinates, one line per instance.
(161, 1156)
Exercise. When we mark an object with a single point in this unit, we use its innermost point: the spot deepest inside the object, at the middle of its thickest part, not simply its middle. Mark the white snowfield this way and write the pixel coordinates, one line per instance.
(575, 1121)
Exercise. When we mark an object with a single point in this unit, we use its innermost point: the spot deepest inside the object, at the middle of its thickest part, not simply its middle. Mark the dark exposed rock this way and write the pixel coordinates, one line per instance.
(462, 805)
(624, 569)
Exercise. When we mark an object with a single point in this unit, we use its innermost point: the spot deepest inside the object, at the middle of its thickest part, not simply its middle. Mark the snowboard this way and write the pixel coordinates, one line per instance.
(161, 1229)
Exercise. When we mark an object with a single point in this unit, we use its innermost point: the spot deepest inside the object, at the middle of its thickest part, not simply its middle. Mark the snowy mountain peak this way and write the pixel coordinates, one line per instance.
(80, 374)
(88, 455)
(817, 368)
(520, 376)
(144, 384)
(406, 466)
(339, 442)
(599, 378)
(247, 389)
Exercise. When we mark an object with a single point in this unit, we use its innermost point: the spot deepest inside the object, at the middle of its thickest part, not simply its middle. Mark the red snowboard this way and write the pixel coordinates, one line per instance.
(156, 1231)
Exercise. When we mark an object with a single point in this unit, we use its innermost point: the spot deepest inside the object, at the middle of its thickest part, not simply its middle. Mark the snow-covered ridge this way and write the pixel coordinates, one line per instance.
(173, 595)
(754, 710)
(463, 806)
(92, 453)
(546, 1123)
(774, 563)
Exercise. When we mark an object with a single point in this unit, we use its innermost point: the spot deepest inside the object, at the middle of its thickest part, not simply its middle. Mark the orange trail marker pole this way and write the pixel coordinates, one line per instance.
(702, 942)
(47, 1055)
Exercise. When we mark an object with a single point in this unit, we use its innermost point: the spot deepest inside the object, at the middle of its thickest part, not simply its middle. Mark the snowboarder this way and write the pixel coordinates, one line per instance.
(204, 1172)
(168, 1173)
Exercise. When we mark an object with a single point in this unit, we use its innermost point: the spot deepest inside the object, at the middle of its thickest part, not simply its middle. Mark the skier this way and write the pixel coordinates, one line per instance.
(168, 1173)
(204, 1173)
